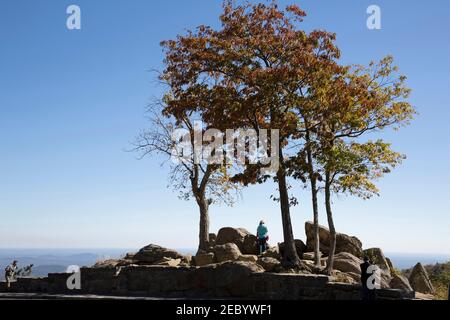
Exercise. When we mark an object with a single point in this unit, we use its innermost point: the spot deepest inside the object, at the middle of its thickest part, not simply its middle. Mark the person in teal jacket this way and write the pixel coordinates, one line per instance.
(262, 233)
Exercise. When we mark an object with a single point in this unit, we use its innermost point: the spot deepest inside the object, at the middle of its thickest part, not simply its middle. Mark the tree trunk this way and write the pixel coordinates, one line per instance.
(316, 222)
(204, 225)
(330, 225)
(290, 256)
(313, 181)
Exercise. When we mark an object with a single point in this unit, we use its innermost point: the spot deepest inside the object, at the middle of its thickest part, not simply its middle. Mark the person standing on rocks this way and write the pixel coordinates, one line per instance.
(10, 272)
(262, 233)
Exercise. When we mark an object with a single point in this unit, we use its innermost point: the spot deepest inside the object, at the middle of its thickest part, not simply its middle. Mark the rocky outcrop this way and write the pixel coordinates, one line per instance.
(344, 243)
(348, 277)
(111, 263)
(232, 235)
(347, 263)
(269, 264)
(245, 241)
(203, 258)
(390, 264)
(153, 254)
(299, 246)
(248, 258)
(273, 252)
(226, 252)
(250, 245)
(400, 282)
(351, 265)
(377, 257)
(420, 281)
(310, 255)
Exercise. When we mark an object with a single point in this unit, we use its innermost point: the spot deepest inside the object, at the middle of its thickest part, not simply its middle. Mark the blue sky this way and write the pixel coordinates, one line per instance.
(72, 101)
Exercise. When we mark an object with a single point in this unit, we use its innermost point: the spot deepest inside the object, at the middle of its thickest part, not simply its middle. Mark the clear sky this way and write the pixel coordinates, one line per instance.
(71, 101)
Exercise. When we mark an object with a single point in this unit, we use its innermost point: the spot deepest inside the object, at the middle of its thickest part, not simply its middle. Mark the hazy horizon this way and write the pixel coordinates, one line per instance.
(57, 260)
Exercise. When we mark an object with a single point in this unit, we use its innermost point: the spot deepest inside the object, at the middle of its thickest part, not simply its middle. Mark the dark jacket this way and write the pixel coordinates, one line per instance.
(364, 275)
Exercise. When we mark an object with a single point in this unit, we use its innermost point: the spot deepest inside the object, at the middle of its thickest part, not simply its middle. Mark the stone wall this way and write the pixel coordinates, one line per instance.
(222, 281)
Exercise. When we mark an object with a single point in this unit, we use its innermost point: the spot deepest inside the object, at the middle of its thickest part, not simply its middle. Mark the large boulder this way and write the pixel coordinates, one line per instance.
(351, 265)
(377, 257)
(347, 263)
(226, 252)
(272, 252)
(390, 264)
(250, 245)
(400, 282)
(344, 243)
(152, 254)
(232, 235)
(420, 281)
(203, 258)
(300, 247)
(269, 264)
(342, 277)
(248, 258)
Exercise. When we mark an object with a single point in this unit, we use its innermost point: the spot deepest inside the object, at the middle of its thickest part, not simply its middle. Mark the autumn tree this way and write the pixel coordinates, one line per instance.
(248, 74)
(354, 103)
(180, 142)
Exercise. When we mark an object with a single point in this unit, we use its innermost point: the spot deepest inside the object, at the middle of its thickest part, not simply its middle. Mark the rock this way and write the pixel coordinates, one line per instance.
(299, 246)
(226, 252)
(310, 255)
(377, 257)
(390, 264)
(269, 264)
(342, 277)
(232, 235)
(130, 256)
(111, 263)
(423, 296)
(344, 243)
(420, 281)
(125, 262)
(400, 282)
(346, 262)
(240, 266)
(212, 239)
(385, 279)
(203, 259)
(351, 266)
(152, 254)
(250, 245)
(248, 258)
(169, 262)
(272, 252)
(186, 260)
